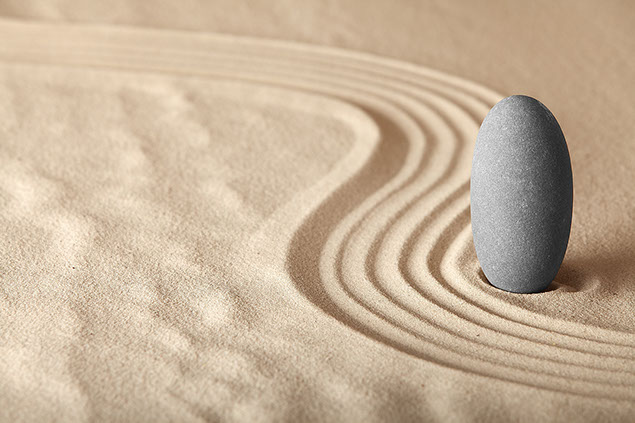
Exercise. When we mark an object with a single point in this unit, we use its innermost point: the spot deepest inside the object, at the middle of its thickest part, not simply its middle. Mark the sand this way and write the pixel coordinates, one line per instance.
(260, 212)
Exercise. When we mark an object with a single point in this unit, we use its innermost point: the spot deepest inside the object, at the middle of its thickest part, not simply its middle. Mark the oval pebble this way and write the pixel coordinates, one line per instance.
(521, 195)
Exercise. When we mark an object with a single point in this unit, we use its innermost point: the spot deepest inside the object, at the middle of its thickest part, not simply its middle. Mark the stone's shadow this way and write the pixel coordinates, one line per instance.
(483, 278)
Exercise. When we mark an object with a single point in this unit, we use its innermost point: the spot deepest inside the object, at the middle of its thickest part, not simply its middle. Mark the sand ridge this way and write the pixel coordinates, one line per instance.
(381, 242)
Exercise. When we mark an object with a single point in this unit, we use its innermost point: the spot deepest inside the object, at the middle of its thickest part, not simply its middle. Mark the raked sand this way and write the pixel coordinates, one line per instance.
(211, 227)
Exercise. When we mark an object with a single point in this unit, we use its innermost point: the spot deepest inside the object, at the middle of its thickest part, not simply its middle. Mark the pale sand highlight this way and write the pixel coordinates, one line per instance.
(185, 214)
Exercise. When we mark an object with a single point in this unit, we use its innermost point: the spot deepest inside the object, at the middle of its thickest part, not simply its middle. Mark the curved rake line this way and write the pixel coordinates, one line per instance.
(433, 262)
(365, 58)
(589, 331)
(438, 253)
(346, 319)
(539, 357)
(386, 295)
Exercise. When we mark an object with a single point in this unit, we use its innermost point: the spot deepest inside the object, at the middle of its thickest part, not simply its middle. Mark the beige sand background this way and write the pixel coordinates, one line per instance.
(202, 223)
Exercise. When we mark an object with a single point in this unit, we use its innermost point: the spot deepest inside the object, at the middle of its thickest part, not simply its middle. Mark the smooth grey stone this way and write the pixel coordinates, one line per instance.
(521, 195)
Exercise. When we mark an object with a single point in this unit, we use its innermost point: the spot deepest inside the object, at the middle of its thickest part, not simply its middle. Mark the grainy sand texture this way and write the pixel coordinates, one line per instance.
(237, 211)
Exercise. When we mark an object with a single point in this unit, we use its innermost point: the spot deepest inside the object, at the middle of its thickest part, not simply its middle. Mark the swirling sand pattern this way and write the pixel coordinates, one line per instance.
(386, 249)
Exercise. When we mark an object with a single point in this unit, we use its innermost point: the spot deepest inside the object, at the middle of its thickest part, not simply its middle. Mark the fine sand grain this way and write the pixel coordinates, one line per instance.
(208, 227)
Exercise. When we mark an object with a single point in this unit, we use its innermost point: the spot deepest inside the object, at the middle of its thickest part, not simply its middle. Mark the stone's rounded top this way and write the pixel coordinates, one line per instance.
(521, 195)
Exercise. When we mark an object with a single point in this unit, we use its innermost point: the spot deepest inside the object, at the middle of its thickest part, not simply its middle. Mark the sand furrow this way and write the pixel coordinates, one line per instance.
(382, 242)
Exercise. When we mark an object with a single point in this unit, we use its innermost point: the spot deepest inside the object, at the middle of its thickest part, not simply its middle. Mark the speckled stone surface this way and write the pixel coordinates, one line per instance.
(521, 195)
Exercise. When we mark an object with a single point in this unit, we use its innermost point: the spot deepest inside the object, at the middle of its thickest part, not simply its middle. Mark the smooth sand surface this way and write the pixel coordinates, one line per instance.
(202, 223)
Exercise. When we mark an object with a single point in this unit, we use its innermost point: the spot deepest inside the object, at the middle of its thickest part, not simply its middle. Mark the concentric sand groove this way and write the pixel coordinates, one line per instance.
(383, 246)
